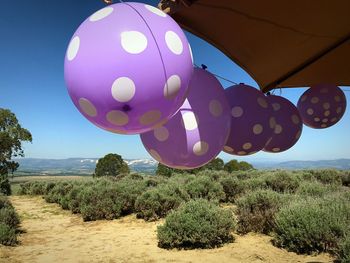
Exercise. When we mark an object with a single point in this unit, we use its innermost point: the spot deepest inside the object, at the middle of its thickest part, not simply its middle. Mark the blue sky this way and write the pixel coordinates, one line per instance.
(33, 39)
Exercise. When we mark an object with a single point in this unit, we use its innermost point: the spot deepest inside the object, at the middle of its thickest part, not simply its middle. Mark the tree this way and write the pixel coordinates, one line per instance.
(111, 165)
(216, 164)
(166, 171)
(234, 165)
(11, 137)
(244, 166)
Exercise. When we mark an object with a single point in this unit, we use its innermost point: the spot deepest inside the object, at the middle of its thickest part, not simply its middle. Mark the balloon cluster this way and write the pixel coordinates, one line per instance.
(129, 70)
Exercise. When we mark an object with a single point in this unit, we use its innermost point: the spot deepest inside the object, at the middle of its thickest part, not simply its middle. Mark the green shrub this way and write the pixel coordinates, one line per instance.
(58, 191)
(99, 202)
(315, 189)
(255, 183)
(205, 187)
(8, 216)
(282, 182)
(159, 201)
(344, 250)
(233, 188)
(5, 187)
(345, 178)
(213, 174)
(4, 202)
(127, 191)
(327, 176)
(313, 225)
(196, 224)
(256, 211)
(8, 235)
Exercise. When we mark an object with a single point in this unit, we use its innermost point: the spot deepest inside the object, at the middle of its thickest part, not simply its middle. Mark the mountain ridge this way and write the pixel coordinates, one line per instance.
(86, 166)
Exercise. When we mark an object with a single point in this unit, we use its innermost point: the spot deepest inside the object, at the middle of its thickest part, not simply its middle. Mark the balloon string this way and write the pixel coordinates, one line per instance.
(218, 76)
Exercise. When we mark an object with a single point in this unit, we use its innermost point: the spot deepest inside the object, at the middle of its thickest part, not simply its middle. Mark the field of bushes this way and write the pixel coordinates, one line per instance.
(9, 222)
(304, 211)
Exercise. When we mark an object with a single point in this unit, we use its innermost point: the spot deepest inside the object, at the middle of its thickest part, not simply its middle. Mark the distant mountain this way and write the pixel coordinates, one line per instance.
(341, 164)
(86, 166)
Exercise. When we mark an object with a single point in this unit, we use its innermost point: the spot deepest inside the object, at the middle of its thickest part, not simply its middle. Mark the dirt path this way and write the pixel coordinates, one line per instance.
(54, 235)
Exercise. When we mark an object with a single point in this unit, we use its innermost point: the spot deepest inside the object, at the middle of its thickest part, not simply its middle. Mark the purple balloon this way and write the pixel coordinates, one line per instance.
(250, 127)
(128, 67)
(288, 125)
(198, 131)
(322, 106)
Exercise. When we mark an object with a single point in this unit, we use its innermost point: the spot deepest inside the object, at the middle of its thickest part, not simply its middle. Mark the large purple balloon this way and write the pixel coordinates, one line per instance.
(127, 68)
(322, 106)
(198, 132)
(251, 127)
(288, 125)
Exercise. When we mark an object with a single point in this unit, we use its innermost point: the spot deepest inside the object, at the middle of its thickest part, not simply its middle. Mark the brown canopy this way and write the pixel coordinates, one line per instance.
(290, 43)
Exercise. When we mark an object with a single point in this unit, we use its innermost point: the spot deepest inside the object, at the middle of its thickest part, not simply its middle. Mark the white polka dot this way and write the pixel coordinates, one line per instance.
(215, 108)
(100, 14)
(297, 136)
(303, 98)
(155, 155)
(324, 90)
(272, 122)
(241, 153)
(276, 106)
(324, 125)
(278, 129)
(200, 148)
(73, 48)
(87, 107)
(117, 117)
(339, 110)
(326, 105)
(172, 87)
(228, 149)
(262, 102)
(150, 117)
(276, 149)
(310, 111)
(123, 89)
(325, 120)
(133, 42)
(191, 53)
(337, 98)
(295, 119)
(155, 10)
(258, 129)
(247, 146)
(327, 113)
(315, 100)
(174, 42)
(333, 119)
(161, 134)
(237, 112)
(190, 121)
(317, 119)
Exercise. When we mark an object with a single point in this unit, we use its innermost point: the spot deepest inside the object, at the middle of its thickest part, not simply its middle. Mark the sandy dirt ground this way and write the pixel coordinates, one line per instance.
(55, 235)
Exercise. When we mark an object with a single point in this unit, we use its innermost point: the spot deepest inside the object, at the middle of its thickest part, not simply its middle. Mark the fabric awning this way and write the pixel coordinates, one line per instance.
(279, 43)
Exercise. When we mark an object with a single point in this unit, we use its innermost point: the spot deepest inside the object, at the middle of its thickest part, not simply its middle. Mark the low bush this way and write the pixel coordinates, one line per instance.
(9, 222)
(8, 235)
(256, 211)
(315, 189)
(344, 250)
(313, 225)
(159, 201)
(8, 216)
(205, 187)
(5, 187)
(282, 181)
(196, 224)
(233, 188)
(345, 178)
(325, 176)
(100, 202)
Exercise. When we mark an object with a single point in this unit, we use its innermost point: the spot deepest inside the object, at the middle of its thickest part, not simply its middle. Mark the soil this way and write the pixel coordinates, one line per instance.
(54, 235)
